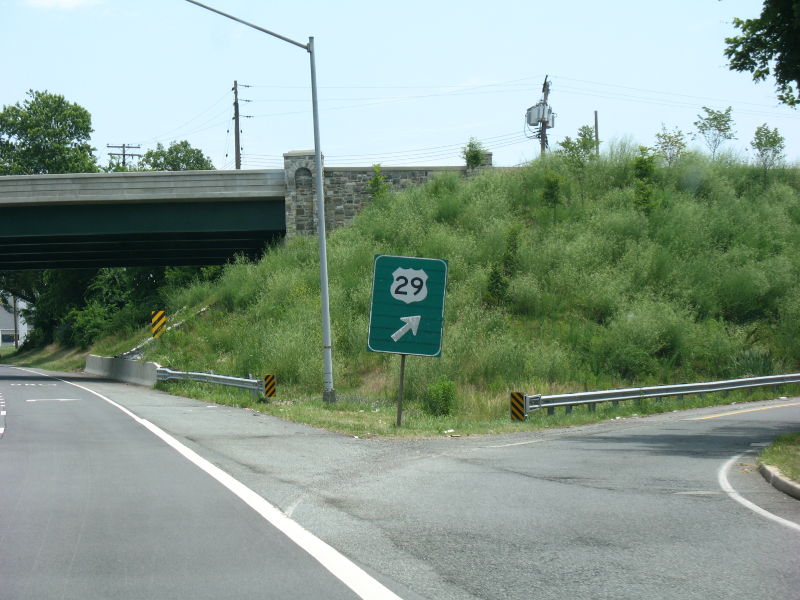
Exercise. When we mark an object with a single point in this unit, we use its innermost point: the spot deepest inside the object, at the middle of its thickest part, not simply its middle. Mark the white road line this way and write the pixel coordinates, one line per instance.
(515, 444)
(722, 477)
(350, 574)
(52, 400)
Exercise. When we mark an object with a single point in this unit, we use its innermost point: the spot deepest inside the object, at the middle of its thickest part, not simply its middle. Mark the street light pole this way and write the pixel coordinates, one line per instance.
(328, 392)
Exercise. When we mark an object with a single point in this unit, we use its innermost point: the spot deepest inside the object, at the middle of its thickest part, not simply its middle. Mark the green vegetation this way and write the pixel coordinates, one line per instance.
(699, 282)
(651, 273)
(715, 128)
(768, 46)
(46, 134)
(52, 357)
(377, 184)
(474, 153)
(784, 453)
(670, 145)
(370, 414)
(768, 145)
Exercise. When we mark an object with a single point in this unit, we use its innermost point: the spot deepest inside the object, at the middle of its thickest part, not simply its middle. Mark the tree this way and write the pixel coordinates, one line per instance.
(580, 150)
(377, 185)
(551, 192)
(769, 146)
(715, 128)
(180, 156)
(670, 145)
(644, 170)
(473, 153)
(577, 154)
(45, 134)
(770, 45)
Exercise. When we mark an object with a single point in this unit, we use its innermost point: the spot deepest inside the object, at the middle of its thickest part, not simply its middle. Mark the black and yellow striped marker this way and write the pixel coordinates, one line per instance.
(270, 386)
(158, 320)
(517, 406)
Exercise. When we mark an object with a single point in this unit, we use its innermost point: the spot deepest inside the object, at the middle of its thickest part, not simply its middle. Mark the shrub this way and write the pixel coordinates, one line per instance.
(83, 326)
(377, 184)
(440, 398)
(473, 153)
(497, 286)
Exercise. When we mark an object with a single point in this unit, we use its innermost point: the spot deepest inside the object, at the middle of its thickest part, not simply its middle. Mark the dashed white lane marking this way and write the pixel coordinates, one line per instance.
(350, 574)
(722, 477)
(52, 400)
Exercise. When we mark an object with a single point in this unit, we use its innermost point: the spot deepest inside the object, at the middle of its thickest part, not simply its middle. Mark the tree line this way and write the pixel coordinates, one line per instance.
(46, 134)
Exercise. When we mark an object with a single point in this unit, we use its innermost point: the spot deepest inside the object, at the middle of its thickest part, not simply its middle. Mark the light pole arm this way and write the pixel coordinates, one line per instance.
(238, 20)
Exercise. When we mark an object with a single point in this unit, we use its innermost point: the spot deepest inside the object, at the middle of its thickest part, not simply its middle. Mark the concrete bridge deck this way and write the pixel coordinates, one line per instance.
(138, 218)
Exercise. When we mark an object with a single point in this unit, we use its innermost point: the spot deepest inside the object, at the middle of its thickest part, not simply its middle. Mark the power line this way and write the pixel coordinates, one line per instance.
(194, 118)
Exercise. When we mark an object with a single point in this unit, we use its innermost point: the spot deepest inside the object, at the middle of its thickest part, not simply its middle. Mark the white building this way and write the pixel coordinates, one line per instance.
(7, 325)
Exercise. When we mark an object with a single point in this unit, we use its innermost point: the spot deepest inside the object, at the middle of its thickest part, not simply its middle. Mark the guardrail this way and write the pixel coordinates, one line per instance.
(522, 404)
(255, 386)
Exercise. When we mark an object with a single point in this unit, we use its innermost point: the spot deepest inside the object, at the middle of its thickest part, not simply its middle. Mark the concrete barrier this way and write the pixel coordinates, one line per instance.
(121, 369)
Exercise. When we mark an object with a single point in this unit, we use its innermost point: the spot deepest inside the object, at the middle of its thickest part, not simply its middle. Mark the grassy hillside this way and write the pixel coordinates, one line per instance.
(617, 275)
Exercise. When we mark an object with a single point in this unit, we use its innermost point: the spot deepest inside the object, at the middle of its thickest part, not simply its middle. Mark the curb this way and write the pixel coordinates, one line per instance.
(778, 481)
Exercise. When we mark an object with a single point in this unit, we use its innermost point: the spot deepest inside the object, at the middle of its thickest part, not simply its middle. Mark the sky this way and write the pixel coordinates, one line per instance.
(400, 83)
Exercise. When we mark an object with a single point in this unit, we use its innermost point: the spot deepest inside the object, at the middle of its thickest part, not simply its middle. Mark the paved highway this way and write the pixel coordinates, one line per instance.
(94, 505)
(633, 508)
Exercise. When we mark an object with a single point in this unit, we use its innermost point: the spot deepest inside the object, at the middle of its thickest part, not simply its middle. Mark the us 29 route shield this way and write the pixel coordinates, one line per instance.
(407, 311)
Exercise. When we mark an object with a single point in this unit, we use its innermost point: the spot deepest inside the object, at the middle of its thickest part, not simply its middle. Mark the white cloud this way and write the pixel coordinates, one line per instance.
(65, 4)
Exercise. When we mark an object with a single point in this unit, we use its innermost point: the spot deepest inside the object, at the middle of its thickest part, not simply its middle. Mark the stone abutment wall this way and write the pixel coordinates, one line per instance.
(346, 189)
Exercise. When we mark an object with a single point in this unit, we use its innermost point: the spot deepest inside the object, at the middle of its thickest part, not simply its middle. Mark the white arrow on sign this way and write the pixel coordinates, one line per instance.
(411, 324)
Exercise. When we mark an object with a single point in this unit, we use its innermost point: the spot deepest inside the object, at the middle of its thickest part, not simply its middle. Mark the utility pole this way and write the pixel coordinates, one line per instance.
(543, 125)
(596, 136)
(541, 116)
(236, 132)
(16, 324)
(124, 154)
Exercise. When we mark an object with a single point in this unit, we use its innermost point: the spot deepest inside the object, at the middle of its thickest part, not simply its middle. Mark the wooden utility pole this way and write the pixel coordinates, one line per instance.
(596, 136)
(16, 324)
(236, 125)
(541, 116)
(543, 136)
(124, 154)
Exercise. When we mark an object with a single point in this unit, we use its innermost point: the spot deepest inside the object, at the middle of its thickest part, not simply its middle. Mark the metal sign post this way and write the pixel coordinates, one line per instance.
(407, 311)
(399, 421)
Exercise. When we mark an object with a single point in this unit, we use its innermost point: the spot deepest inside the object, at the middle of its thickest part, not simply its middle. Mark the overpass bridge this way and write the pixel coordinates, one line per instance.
(138, 218)
(177, 218)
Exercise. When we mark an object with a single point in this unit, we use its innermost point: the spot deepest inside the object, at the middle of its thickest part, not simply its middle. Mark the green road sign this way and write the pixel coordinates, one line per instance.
(407, 313)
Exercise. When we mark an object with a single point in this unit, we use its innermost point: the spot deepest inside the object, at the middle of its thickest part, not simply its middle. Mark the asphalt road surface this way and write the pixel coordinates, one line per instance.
(93, 504)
